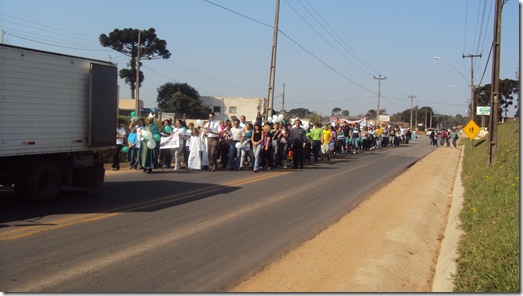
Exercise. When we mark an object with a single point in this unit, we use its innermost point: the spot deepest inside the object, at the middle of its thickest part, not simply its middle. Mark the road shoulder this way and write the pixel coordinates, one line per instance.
(390, 243)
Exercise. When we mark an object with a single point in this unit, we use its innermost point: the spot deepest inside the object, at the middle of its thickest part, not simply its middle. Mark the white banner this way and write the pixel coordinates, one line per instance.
(170, 142)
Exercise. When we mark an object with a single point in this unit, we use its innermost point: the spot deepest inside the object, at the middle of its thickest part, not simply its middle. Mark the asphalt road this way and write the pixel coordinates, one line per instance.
(182, 231)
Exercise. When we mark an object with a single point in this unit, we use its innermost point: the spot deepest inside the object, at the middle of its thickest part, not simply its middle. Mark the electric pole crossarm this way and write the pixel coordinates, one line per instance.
(472, 56)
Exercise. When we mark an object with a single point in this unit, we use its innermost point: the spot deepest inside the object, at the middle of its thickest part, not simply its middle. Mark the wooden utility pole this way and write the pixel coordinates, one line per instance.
(283, 100)
(426, 110)
(472, 56)
(411, 106)
(494, 96)
(137, 83)
(270, 97)
(379, 78)
(416, 116)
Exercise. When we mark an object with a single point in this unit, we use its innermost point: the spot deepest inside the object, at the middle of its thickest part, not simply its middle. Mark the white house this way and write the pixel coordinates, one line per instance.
(230, 107)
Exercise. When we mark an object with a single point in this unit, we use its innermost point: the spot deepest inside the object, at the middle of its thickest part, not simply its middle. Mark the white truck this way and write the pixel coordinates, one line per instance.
(57, 113)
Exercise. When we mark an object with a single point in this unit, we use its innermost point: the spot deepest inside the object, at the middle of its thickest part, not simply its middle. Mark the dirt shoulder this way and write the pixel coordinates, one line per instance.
(390, 243)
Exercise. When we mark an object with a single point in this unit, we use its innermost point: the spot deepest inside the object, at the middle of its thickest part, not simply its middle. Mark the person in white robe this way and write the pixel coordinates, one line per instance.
(195, 148)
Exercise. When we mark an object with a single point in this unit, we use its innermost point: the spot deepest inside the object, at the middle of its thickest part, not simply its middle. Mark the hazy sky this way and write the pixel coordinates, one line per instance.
(328, 53)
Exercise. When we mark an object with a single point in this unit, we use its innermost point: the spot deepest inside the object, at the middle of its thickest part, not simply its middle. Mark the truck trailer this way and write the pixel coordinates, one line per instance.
(57, 114)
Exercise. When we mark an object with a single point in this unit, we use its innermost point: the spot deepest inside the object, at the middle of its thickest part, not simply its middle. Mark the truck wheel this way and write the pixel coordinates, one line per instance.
(43, 183)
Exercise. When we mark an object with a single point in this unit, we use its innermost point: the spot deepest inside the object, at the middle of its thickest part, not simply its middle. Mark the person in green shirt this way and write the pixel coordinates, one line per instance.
(454, 136)
(316, 135)
(308, 141)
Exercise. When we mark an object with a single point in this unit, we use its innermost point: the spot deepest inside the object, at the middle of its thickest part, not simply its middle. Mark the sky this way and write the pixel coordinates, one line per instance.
(329, 52)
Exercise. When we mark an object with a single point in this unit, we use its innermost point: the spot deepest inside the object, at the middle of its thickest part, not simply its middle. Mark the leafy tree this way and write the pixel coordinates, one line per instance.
(371, 114)
(126, 42)
(181, 98)
(299, 112)
(345, 113)
(507, 89)
(315, 118)
(336, 111)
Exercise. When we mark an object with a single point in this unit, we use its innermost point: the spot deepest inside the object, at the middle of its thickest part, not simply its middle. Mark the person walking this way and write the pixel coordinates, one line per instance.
(194, 161)
(385, 136)
(165, 154)
(454, 135)
(340, 140)
(355, 137)
(140, 128)
(281, 137)
(443, 137)
(325, 141)
(316, 138)
(213, 133)
(235, 136)
(266, 150)
(120, 136)
(148, 157)
(257, 140)
(132, 142)
(178, 131)
(223, 143)
(247, 146)
(308, 144)
(298, 139)
(433, 140)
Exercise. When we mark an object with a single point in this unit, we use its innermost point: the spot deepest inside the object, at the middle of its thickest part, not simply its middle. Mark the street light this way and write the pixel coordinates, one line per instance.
(454, 68)
(471, 111)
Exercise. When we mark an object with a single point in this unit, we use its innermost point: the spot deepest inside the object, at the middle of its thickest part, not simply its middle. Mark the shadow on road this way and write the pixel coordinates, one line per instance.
(137, 196)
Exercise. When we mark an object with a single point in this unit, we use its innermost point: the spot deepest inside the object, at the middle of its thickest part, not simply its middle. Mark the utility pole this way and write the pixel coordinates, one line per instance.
(494, 97)
(416, 116)
(471, 56)
(379, 78)
(270, 97)
(137, 83)
(283, 100)
(411, 106)
(426, 119)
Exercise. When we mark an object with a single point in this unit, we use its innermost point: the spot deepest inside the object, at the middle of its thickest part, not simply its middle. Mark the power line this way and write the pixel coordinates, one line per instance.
(337, 39)
(348, 48)
(324, 39)
(240, 14)
(51, 44)
(297, 44)
(321, 61)
(60, 31)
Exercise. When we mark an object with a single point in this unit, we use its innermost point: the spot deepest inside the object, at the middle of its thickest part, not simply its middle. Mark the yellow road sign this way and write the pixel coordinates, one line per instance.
(471, 129)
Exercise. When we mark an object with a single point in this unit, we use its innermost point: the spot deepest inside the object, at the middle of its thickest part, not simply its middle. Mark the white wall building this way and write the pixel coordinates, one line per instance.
(229, 107)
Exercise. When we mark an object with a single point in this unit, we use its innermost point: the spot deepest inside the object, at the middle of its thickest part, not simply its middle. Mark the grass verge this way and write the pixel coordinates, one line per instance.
(489, 251)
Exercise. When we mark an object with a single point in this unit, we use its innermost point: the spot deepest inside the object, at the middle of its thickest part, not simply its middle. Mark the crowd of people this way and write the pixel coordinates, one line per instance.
(443, 136)
(239, 145)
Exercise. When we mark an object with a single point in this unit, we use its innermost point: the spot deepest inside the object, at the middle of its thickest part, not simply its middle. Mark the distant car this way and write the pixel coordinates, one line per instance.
(428, 131)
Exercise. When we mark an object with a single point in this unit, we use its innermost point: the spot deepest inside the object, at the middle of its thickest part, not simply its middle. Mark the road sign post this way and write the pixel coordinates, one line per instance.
(471, 130)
